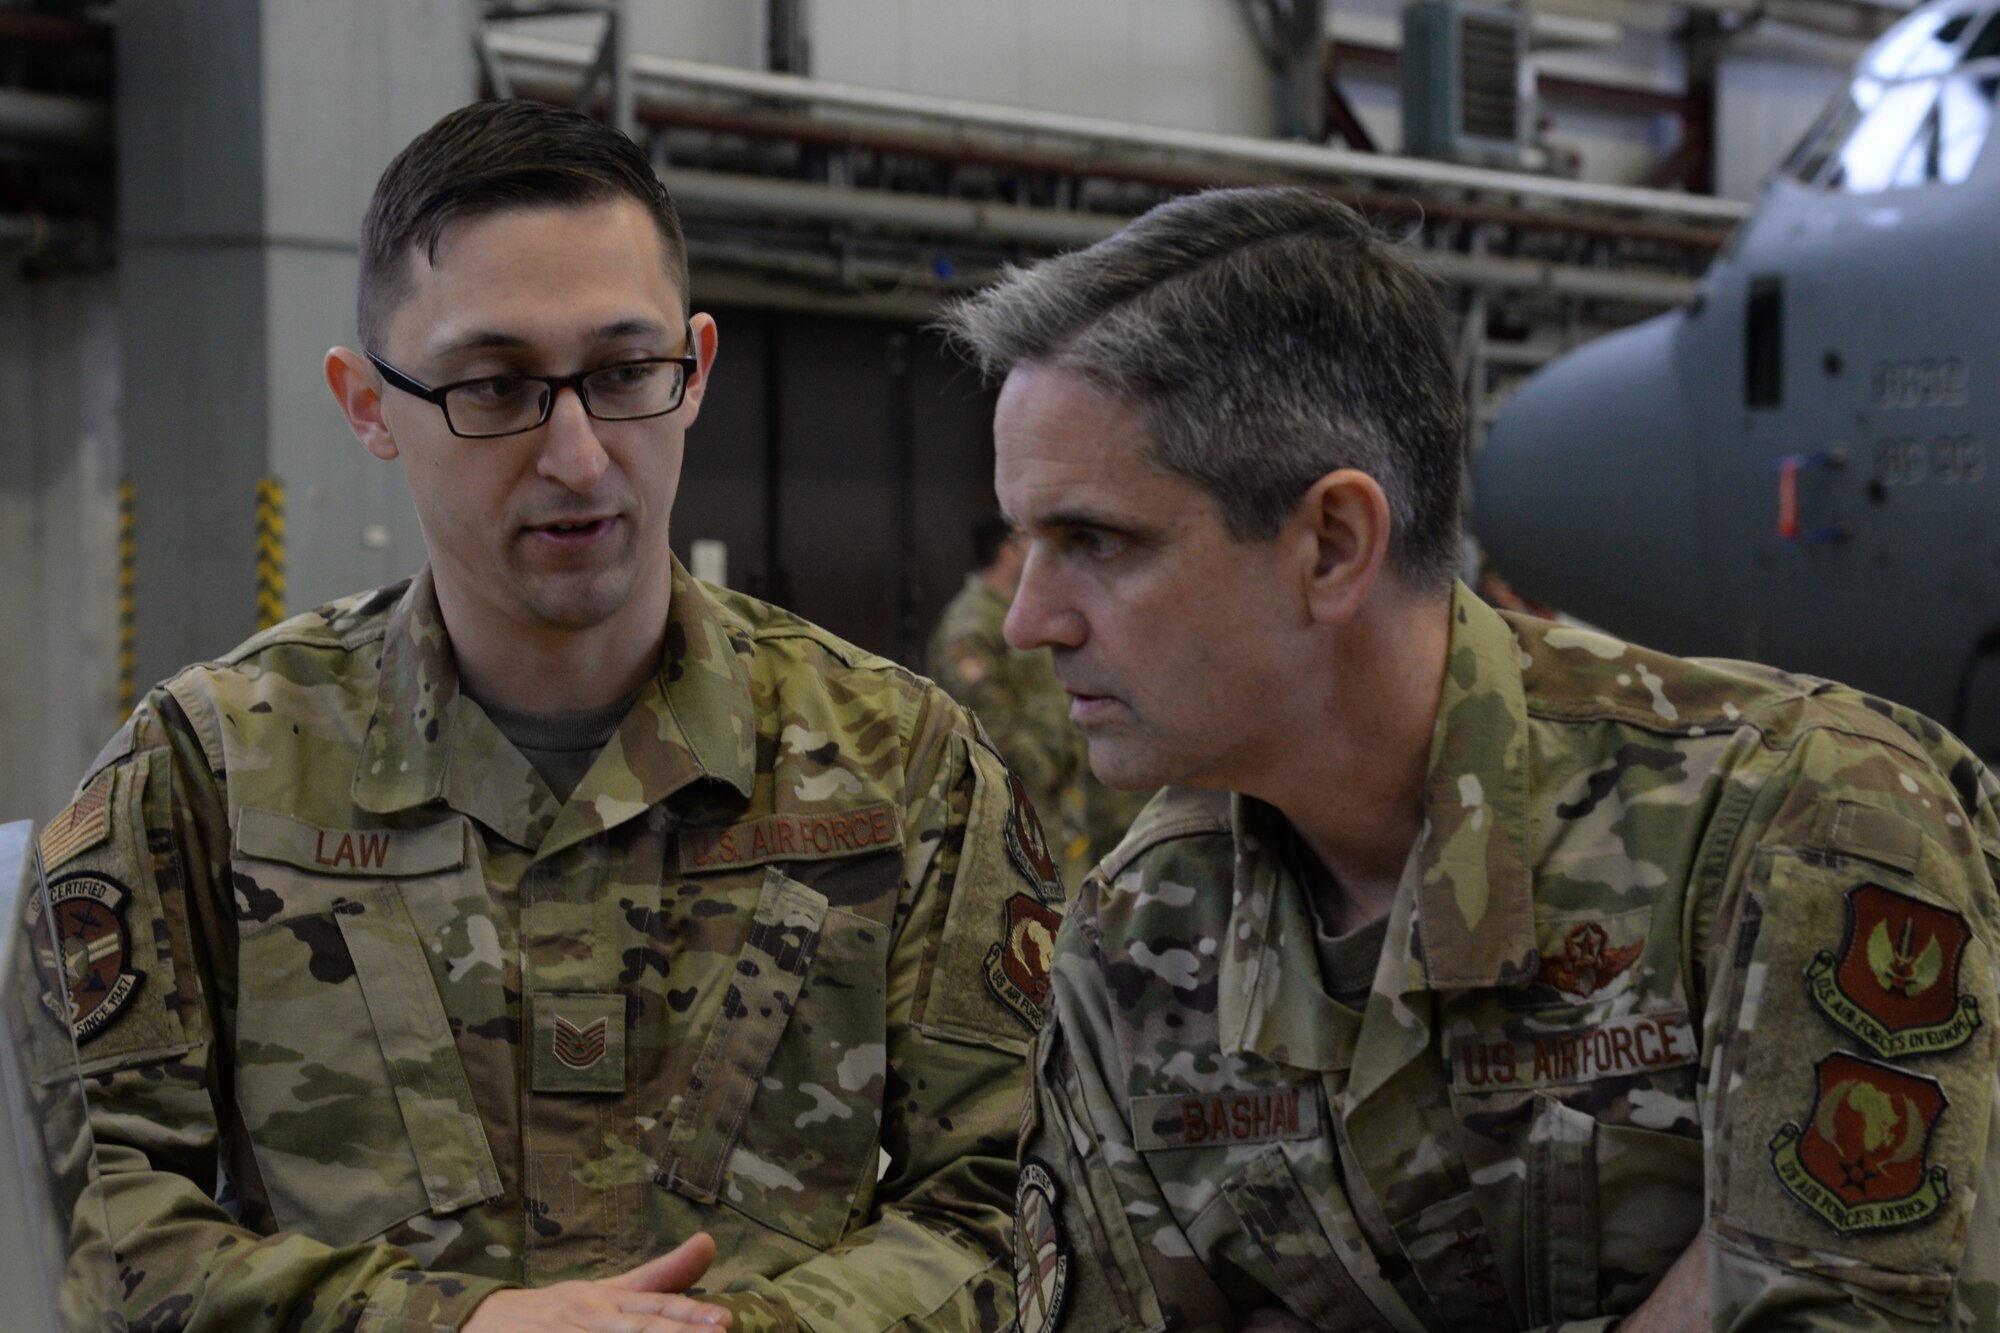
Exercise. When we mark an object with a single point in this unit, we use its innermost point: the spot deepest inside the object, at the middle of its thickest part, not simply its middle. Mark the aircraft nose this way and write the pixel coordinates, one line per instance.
(1585, 493)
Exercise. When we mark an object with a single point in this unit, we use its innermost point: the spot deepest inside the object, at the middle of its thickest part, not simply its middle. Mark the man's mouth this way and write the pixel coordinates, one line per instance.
(574, 530)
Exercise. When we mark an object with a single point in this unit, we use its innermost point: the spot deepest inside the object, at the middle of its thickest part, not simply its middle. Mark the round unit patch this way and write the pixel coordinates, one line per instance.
(1041, 1257)
(92, 980)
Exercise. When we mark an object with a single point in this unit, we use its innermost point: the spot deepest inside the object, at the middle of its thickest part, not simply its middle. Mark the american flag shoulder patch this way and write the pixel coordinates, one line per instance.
(83, 824)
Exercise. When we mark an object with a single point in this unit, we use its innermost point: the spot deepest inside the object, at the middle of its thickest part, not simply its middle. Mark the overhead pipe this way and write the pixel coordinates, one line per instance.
(528, 57)
(54, 118)
(725, 195)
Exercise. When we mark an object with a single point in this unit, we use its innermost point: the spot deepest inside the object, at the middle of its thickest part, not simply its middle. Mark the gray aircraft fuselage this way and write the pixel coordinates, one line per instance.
(1795, 468)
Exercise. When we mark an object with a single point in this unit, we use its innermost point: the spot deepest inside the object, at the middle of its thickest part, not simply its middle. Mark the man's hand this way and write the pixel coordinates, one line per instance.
(1680, 1303)
(643, 1300)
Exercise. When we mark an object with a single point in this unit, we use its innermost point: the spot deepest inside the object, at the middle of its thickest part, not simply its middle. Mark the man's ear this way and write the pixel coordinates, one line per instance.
(1346, 524)
(703, 340)
(359, 393)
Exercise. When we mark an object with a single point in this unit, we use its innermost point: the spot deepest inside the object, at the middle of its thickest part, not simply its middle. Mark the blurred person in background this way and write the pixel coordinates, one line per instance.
(1016, 695)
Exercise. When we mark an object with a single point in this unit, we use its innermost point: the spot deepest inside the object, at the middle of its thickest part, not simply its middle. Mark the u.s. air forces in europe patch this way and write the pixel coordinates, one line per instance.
(89, 979)
(1861, 1160)
(1895, 983)
(1041, 1255)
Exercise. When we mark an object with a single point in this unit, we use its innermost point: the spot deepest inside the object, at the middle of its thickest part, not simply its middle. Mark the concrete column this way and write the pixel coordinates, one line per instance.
(250, 133)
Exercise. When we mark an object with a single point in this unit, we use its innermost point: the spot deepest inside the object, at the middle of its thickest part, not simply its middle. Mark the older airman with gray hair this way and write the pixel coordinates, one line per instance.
(1475, 972)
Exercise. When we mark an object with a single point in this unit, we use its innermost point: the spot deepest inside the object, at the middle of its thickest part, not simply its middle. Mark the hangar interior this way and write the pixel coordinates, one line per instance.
(181, 185)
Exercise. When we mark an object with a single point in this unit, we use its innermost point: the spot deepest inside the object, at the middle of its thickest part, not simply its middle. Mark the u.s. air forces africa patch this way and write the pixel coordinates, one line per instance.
(1861, 1161)
(1895, 983)
(89, 979)
(1017, 971)
(1041, 1256)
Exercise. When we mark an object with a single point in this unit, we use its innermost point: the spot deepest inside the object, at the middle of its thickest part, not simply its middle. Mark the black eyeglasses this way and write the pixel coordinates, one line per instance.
(495, 405)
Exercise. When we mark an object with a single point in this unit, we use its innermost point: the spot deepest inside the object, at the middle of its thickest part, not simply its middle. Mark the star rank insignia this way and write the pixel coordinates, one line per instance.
(89, 979)
(1894, 984)
(1861, 1161)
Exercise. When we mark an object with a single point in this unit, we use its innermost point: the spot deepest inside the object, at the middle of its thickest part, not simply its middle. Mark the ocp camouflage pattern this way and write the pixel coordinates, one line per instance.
(1018, 699)
(440, 1032)
(1590, 1038)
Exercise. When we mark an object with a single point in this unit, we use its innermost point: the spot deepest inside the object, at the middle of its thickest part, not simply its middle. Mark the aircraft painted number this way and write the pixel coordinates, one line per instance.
(1930, 382)
(1906, 460)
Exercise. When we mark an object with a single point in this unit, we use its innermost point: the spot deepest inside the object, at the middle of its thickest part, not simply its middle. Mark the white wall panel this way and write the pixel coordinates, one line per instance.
(1186, 63)
(59, 468)
(1763, 105)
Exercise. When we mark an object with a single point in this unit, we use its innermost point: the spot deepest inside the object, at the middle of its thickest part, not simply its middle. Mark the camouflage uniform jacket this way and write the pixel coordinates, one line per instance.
(440, 1033)
(1018, 699)
(1683, 945)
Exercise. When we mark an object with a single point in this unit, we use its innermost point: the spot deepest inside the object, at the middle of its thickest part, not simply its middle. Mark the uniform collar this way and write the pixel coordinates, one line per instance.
(1473, 888)
(1463, 915)
(426, 741)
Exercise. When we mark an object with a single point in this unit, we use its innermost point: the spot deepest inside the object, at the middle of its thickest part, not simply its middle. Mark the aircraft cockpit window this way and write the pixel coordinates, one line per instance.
(1987, 44)
(1908, 120)
(1925, 44)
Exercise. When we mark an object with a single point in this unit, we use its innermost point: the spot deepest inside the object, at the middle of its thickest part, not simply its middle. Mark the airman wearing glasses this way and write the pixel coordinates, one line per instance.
(549, 941)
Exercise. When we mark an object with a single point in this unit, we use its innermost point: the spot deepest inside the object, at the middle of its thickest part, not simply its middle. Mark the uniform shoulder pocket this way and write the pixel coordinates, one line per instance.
(987, 976)
(1855, 1075)
(110, 969)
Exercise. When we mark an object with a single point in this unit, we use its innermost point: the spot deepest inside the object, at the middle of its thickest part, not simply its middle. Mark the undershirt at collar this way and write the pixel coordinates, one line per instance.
(1347, 963)
(561, 747)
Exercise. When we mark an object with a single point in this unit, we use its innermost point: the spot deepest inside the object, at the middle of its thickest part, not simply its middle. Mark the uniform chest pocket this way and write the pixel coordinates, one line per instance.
(336, 1004)
(1608, 1209)
(782, 1118)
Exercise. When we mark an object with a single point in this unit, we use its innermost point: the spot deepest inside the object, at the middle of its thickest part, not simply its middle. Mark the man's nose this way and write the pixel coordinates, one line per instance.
(572, 455)
(1040, 615)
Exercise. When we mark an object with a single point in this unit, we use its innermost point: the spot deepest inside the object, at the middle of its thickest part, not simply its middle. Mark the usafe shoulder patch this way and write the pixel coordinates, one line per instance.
(1041, 1254)
(1861, 1161)
(1635, 1044)
(791, 837)
(1028, 846)
(83, 824)
(1017, 971)
(1224, 1119)
(1894, 984)
(89, 982)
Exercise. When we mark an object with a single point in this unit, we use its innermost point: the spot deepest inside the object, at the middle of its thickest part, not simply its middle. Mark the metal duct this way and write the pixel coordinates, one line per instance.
(534, 57)
(51, 118)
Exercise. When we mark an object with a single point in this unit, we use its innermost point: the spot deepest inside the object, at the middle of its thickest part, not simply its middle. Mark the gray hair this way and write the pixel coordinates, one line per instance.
(1269, 336)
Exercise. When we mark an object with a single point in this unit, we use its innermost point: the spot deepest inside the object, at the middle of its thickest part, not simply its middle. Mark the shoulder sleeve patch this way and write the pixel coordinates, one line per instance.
(991, 970)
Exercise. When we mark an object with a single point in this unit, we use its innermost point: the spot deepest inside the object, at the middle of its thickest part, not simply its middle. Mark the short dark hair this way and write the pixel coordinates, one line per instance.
(989, 534)
(1269, 336)
(490, 157)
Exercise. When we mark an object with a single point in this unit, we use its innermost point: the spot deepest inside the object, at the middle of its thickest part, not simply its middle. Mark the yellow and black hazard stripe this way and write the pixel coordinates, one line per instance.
(270, 552)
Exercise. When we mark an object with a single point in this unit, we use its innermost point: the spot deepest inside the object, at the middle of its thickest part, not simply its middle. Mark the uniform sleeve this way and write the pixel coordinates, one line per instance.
(1096, 1245)
(1849, 1045)
(964, 977)
(138, 869)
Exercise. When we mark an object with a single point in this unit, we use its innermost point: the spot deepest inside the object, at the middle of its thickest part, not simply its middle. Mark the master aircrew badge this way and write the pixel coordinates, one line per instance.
(1895, 983)
(1041, 1257)
(1018, 971)
(1588, 962)
(90, 979)
(1028, 846)
(1861, 1163)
